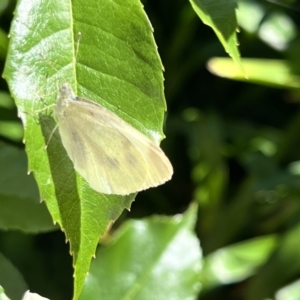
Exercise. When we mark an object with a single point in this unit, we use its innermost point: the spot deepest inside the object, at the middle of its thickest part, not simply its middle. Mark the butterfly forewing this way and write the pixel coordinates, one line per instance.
(112, 156)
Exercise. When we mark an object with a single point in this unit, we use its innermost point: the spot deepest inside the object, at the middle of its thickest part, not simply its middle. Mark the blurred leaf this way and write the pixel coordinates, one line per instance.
(10, 125)
(209, 172)
(231, 218)
(6, 101)
(277, 30)
(19, 198)
(11, 280)
(156, 256)
(236, 262)
(275, 190)
(3, 5)
(117, 49)
(3, 43)
(275, 73)
(220, 16)
(285, 263)
(204, 134)
(249, 15)
(12, 130)
(289, 292)
(2, 294)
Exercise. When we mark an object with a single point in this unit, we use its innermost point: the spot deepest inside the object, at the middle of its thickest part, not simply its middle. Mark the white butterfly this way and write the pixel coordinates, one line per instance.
(111, 155)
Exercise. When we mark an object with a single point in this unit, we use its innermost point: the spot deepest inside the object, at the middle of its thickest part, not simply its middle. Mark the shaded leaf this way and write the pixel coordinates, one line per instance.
(20, 206)
(11, 280)
(285, 262)
(220, 16)
(237, 262)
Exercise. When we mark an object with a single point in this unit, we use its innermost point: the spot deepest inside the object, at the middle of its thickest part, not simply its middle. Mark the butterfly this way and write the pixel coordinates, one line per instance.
(110, 154)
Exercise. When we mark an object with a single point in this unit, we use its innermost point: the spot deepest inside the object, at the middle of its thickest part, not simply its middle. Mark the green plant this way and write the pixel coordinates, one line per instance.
(233, 146)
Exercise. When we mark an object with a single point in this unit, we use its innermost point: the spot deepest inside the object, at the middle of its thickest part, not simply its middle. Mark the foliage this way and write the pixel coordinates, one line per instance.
(233, 145)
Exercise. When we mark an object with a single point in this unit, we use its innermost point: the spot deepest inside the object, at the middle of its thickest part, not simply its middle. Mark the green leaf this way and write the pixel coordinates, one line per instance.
(155, 258)
(289, 292)
(117, 65)
(269, 72)
(278, 30)
(2, 294)
(11, 280)
(20, 207)
(220, 16)
(275, 28)
(237, 262)
(12, 130)
(10, 124)
(3, 43)
(250, 15)
(284, 262)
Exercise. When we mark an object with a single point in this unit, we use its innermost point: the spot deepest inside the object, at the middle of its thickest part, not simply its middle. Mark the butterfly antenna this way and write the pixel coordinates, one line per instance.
(77, 45)
(51, 135)
(46, 61)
